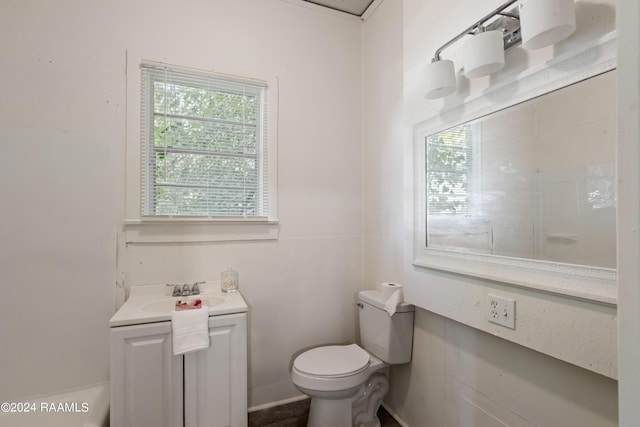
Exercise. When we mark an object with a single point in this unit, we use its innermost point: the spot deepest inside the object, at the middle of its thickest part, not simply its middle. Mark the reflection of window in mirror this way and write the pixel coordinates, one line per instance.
(453, 175)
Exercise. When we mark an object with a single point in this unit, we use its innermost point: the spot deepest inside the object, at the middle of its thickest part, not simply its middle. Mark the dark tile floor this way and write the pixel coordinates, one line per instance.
(295, 414)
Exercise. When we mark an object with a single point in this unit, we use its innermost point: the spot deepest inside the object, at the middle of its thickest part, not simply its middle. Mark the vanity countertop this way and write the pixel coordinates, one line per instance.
(154, 303)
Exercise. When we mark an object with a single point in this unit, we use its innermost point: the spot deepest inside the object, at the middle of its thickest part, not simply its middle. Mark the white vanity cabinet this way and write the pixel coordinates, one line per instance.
(150, 387)
(215, 380)
(146, 378)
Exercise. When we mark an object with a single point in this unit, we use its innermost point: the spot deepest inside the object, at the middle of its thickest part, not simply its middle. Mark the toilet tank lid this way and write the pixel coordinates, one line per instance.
(375, 298)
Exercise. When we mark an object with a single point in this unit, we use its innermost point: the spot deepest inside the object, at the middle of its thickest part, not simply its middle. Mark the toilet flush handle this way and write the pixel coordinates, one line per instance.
(359, 304)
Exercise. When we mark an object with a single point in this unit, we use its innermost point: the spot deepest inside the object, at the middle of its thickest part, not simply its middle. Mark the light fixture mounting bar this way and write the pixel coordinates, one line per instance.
(470, 29)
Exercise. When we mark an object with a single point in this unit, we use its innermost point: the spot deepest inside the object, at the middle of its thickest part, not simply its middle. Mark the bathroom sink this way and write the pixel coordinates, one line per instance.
(151, 303)
(164, 305)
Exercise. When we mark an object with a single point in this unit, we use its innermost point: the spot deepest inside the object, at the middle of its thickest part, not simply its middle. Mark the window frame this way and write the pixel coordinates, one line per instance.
(215, 83)
(176, 228)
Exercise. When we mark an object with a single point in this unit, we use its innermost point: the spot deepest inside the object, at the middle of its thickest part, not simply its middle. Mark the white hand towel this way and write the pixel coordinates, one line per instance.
(190, 330)
(392, 303)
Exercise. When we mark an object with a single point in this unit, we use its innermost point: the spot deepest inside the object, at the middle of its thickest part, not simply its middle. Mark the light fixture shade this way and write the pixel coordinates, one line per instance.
(545, 22)
(440, 78)
(483, 54)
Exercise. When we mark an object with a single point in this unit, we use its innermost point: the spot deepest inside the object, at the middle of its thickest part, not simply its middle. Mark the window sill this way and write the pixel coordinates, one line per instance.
(195, 229)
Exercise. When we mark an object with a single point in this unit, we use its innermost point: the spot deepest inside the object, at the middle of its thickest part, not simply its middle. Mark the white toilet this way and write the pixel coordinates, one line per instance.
(347, 383)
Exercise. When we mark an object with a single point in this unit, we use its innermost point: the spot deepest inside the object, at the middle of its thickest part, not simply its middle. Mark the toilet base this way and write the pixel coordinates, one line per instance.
(325, 412)
(367, 402)
(355, 407)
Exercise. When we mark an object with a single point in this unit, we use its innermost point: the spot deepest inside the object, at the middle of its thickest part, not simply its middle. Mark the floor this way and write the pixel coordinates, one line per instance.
(295, 415)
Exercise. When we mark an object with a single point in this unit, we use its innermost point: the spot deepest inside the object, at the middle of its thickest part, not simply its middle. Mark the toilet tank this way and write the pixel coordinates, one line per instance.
(389, 338)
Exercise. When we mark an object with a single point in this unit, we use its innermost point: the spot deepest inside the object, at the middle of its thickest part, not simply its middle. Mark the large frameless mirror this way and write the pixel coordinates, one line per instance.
(534, 181)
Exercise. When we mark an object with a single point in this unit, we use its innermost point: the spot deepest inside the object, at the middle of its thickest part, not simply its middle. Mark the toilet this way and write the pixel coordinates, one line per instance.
(347, 383)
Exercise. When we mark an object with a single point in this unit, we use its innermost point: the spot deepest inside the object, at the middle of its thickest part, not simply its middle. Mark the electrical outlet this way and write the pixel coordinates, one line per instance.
(502, 311)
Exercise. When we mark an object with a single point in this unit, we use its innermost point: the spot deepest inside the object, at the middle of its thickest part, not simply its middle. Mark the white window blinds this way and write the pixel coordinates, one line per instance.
(204, 145)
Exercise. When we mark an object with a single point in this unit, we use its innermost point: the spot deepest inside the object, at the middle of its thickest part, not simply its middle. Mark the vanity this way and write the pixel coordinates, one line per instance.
(152, 387)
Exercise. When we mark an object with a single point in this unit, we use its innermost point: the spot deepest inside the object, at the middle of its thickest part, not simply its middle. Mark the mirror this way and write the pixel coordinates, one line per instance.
(534, 181)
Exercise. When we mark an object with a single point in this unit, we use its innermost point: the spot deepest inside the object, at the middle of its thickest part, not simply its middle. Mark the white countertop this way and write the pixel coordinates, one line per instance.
(154, 303)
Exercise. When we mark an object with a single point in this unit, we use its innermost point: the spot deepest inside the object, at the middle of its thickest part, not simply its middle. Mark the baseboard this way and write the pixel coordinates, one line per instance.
(278, 403)
(395, 415)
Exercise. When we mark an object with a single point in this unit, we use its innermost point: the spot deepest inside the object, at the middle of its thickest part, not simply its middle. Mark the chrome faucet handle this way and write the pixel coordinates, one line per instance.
(176, 290)
(195, 289)
(185, 290)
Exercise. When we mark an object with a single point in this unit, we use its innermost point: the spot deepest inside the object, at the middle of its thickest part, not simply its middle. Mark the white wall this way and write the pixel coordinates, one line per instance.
(63, 123)
(382, 146)
(628, 208)
(61, 179)
(464, 373)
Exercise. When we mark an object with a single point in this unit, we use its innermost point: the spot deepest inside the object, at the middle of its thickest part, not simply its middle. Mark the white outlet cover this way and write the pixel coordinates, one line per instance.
(501, 311)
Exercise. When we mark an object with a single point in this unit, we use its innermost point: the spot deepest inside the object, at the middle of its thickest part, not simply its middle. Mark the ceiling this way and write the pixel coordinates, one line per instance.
(352, 7)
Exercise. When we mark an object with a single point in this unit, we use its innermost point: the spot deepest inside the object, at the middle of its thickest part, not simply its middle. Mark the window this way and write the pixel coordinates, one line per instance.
(204, 145)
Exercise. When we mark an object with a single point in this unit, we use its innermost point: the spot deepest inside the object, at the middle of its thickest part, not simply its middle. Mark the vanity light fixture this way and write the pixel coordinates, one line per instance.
(537, 23)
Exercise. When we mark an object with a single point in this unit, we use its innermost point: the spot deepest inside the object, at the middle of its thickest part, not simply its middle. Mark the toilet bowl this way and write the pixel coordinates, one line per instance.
(347, 383)
(334, 377)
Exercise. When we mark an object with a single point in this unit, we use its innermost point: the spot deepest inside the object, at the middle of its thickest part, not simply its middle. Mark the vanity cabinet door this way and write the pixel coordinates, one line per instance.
(146, 378)
(215, 380)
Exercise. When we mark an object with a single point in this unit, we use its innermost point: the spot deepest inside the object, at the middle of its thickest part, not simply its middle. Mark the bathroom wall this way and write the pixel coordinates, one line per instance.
(342, 204)
(63, 121)
(628, 12)
(464, 373)
(385, 136)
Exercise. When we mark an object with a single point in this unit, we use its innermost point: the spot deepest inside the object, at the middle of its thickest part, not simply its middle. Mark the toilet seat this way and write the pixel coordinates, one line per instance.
(333, 361)
(333, 369)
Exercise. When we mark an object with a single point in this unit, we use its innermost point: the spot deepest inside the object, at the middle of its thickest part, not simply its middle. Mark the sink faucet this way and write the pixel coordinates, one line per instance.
(185, 290)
